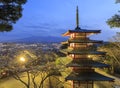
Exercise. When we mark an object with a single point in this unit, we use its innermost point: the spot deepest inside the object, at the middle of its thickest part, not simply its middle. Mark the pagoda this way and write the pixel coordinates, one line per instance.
(81, 49)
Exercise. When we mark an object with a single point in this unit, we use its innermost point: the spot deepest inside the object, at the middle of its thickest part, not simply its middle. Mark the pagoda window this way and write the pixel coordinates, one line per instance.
(90, 44)
(72, 45)
(72, 36)
(80, 56)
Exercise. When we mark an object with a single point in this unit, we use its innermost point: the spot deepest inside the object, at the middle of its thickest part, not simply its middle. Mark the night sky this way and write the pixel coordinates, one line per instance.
(54, 17)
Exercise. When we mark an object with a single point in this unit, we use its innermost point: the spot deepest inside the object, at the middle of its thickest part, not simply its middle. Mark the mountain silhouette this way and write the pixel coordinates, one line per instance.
(39, 39)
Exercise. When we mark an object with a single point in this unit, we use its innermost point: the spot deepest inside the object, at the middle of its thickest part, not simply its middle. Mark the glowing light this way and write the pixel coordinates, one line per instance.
(72, 44)
(72, 55)
(89, 56)
(22, 59)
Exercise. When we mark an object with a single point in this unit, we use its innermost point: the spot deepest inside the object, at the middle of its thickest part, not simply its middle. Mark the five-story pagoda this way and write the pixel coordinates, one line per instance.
(80, 48)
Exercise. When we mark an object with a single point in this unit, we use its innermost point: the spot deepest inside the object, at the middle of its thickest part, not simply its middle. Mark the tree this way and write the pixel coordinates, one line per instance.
(114, 21)
(113, 52)
(37, 70)
(117, 1)
(10, 12)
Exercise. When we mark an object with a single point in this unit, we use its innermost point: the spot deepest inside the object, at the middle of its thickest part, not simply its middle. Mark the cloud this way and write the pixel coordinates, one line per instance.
(47, 28)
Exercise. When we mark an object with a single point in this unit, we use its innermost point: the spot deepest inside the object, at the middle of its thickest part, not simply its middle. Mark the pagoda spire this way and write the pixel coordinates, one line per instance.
(77, 19)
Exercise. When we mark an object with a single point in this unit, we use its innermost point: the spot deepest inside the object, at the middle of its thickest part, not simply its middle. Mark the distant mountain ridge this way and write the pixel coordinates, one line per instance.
(39, 39)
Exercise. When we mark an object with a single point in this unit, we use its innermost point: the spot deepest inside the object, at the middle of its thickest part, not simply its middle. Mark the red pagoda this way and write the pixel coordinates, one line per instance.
(80, 48)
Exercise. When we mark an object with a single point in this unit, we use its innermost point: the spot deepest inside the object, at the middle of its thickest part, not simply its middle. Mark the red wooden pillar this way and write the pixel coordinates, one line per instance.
(73, 84)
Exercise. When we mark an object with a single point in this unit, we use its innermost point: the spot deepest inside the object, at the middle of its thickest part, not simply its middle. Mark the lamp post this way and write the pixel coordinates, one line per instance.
(22, 59)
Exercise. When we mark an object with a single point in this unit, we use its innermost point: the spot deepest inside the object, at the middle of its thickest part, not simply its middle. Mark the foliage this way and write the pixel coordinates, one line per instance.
(113, 51)
(61, 64)
(37, 70)
(42, 68)
(10, 12)
(117, 1)
(114, 21)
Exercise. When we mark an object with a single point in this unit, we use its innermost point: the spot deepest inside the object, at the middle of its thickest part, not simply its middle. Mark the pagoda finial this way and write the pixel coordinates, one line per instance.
(77, 19)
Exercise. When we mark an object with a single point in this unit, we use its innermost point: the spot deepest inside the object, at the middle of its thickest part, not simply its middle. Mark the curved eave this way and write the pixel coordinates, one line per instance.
(88, 76)
(65, 42)
(87, 53)
(86, 63)
(81, 31)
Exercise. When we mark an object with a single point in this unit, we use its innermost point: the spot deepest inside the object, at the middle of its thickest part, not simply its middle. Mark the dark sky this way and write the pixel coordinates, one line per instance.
(54, 17)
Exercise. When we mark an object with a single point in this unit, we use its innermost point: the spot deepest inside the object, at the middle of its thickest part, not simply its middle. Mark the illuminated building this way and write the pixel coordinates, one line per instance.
(81, 49)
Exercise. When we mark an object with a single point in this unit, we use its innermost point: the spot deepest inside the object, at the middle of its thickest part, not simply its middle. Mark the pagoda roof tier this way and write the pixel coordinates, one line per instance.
(81, 41)
(81, 31)
(88, 76)
(86, 52)
(85, 63)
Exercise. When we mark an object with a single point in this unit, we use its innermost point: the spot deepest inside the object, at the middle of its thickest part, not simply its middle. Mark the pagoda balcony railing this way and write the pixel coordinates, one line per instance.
(78, 37)
(85, 46)
(79, 50)
(83, 41)
(81, 38)
(80, 34)
(91, 48)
